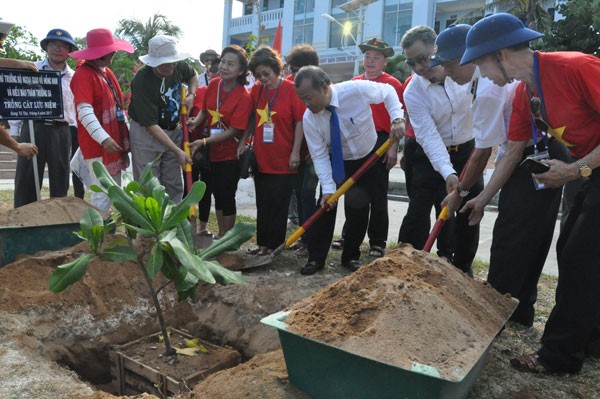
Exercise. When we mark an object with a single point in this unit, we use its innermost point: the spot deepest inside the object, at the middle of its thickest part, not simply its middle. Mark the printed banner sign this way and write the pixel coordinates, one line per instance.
(26, 94)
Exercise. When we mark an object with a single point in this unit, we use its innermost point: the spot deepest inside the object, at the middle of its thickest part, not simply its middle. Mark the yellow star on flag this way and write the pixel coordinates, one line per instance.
(215, 116)
(558, 135)
(264, 115)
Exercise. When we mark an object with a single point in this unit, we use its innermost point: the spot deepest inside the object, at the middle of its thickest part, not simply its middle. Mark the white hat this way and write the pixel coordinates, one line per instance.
(162, 50)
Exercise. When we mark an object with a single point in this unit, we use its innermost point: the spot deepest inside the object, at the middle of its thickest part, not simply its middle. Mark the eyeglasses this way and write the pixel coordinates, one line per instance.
(422, 59)
(213, 69)
(535, 105)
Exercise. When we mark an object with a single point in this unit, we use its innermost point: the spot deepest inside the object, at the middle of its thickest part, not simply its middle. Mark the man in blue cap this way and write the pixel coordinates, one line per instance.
(52, 136)
(558, 97)
(515, 261)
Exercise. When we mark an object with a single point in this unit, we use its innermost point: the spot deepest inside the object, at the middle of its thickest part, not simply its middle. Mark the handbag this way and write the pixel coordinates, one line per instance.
(248, 165)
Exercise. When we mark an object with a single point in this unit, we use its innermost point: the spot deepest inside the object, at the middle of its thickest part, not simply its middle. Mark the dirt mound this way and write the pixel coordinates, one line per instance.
(405, 309)
(46, 212)
(264, 376)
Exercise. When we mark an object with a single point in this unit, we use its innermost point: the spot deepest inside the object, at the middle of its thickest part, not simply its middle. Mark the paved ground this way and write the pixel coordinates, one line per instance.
(397, 210)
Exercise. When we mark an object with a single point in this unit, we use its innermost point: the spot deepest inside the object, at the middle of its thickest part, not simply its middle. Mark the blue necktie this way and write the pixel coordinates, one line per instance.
(337, 157)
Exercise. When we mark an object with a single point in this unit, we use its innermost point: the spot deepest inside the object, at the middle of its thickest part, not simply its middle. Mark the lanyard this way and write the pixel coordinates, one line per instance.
(270, 103)
(219, 101)
(534, 130)
(112, 88)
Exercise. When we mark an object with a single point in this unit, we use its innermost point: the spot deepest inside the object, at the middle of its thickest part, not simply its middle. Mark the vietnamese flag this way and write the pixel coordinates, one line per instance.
(277, 39)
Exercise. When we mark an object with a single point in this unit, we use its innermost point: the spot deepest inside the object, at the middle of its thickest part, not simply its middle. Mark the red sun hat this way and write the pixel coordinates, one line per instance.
(99, 43)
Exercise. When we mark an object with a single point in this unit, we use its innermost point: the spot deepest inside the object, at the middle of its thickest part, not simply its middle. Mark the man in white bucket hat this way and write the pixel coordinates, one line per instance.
(154, 112)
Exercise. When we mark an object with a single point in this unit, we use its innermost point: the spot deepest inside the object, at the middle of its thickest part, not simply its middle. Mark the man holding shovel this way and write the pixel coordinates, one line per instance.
(341, 136)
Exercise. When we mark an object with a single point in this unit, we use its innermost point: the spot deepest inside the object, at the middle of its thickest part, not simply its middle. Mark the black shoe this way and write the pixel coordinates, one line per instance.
(352, 265)
(311, 267)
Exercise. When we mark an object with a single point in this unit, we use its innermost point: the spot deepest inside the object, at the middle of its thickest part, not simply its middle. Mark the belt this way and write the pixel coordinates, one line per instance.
(52, 122)
(458, 147)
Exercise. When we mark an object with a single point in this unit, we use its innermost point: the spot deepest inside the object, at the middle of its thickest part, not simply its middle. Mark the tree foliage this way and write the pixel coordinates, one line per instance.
(139, 33)
(579, 30)
(22, 45)
(531, 12)
(397, 67)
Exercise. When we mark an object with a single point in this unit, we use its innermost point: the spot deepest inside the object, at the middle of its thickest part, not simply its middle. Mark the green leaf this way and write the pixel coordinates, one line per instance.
(102, 173)
(132, 187)
(182, 210)
(92, 228)
(120, 254)
(191, 293)
(125, 204)
(65, 275)
(231, 241)
(146, 175)
(184, 233)
(154, 212)
(97, 189)
(186, 281)
(155, 261)
(222, 275)
(189, 261)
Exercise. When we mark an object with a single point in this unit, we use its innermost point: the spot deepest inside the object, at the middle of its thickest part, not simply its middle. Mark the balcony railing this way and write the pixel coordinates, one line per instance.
(269, 19)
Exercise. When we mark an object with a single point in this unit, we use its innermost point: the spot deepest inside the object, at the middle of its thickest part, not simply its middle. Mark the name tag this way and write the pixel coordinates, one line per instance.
(120, 115)
(215, 131)
(268, 132)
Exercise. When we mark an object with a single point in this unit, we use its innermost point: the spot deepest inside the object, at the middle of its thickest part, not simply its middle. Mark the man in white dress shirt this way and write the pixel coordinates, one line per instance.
(351, 101)
(52, 136)
(441, 116)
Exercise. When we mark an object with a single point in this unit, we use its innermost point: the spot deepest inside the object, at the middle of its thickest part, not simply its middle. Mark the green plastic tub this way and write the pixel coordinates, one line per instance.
(327, 372)
(16, 240)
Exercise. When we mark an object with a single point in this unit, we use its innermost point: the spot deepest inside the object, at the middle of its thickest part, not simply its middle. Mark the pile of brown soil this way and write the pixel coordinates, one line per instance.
(47, 212)
(408, 308)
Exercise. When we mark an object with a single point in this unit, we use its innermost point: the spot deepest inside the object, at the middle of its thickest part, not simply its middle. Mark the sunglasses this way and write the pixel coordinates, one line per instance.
(535, 105)
(421, 60)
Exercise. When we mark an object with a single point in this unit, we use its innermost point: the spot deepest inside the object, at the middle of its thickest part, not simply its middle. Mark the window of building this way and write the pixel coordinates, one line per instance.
(337, 38)
(303, 6)
(397, 19)
(303, 33)
(248, 8)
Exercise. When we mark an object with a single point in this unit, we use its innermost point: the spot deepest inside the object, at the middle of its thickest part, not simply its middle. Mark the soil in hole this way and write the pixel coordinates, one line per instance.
(47, 212)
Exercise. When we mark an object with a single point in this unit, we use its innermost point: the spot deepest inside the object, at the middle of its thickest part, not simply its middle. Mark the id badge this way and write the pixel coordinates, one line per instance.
(214, 131)
(120, 115)
(539, 157)
(268, 132)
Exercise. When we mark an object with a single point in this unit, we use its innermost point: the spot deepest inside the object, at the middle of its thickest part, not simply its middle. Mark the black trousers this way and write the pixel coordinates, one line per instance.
(357, 202)
(457, 241)
(522, 237)
(575, 318)
(226, 175)
(273, 194)
(410, 148)
(78, 188)
(54, 150)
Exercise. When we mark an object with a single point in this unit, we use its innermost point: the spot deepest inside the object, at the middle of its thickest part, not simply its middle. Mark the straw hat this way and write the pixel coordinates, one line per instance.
(162, 49)
(99, 43)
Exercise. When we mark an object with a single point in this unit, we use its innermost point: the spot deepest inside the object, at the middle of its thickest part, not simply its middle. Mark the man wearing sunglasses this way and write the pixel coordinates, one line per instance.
(569, 96)
(441, 116)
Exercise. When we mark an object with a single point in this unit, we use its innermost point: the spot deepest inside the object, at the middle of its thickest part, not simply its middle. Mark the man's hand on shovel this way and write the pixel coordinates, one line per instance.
(324, 199)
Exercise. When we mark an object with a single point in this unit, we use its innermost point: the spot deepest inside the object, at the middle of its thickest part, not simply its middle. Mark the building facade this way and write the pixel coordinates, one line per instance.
(311, 21)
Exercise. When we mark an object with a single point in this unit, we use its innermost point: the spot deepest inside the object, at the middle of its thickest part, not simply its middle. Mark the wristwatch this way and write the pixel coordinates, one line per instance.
(462, 193)
(584, 169)
(398, 120)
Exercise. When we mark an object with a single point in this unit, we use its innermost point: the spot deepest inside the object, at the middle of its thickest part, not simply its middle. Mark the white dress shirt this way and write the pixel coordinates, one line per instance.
(352, 100)
(67, 97)
(441, 116)
(491, 112)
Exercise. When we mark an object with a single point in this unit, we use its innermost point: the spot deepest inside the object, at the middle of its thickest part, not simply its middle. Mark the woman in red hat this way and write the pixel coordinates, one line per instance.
(101, 129)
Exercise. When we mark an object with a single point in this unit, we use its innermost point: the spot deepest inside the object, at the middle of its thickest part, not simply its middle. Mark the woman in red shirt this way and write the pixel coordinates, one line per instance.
(227, 108)
(277, 138)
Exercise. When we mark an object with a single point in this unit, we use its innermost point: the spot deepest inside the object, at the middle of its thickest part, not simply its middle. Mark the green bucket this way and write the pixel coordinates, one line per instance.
(324, 371)
(16, 240)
